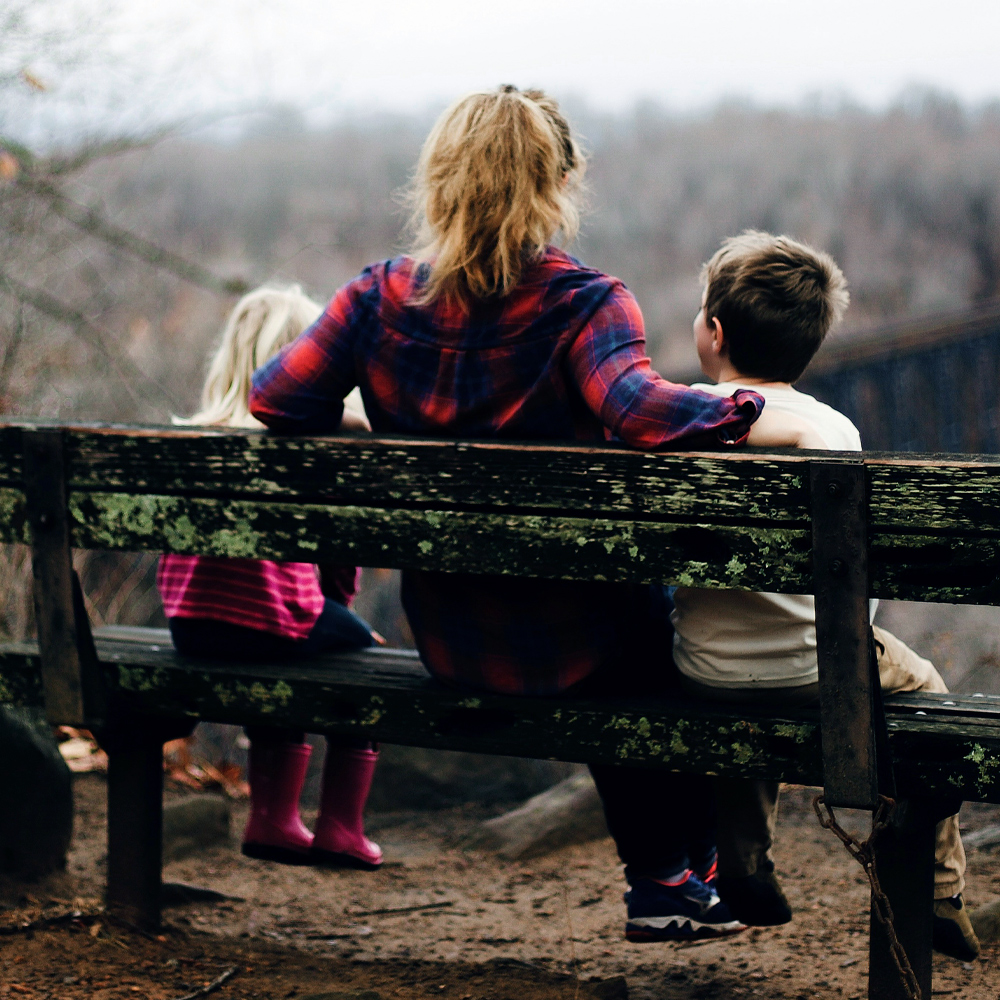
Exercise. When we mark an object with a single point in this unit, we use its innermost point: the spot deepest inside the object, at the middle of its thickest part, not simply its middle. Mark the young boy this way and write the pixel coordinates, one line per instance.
(768, 303)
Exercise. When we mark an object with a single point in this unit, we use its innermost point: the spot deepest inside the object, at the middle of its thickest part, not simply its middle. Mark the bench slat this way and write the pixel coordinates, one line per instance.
(526, 476)
(739, 557)
(385, 695)
(948, 494)
(934, 528)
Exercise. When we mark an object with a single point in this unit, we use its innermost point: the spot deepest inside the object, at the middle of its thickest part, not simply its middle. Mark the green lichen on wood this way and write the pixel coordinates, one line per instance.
(13, 517)
(141, 680)
(257, 696)
(987, 767)
(798, 733)
(701, 555)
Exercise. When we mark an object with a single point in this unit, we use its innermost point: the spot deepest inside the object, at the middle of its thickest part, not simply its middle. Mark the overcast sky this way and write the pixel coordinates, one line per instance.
(685, 53)
(332, 56)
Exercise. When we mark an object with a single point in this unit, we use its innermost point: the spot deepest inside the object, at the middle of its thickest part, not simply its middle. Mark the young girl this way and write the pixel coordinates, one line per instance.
(255, 609)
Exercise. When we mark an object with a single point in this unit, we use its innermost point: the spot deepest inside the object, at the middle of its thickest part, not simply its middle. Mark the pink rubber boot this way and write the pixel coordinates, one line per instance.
(275, 831)
(340, 840)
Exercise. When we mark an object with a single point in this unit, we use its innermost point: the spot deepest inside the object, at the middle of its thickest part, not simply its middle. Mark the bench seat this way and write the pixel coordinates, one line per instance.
(943, 745)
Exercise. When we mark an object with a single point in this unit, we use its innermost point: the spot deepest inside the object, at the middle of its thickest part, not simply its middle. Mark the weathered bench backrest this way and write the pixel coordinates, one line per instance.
(738, 520)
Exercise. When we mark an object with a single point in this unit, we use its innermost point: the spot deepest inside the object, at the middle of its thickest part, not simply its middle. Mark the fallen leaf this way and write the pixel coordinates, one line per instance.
(33, 81)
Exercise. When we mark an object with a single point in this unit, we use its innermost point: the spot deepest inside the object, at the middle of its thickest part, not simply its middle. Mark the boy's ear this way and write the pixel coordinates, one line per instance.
(719, 345)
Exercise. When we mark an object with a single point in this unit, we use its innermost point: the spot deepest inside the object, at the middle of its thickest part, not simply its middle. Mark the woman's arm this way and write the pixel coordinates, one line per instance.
(303, 388)
(610, 366)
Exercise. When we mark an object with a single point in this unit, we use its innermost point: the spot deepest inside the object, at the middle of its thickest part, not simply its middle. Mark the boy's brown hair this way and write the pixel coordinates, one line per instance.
(776, 299)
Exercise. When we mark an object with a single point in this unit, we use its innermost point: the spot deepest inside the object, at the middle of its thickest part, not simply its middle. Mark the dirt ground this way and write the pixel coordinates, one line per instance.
(480, 929)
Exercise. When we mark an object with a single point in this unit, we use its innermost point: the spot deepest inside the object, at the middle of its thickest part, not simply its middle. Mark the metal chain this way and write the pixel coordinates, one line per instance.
(863, 851)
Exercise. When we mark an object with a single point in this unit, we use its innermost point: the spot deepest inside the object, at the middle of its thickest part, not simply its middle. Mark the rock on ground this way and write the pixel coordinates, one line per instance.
(36, 796)
(986, 921)
(567, 813)
(193, 823)
(415, 778)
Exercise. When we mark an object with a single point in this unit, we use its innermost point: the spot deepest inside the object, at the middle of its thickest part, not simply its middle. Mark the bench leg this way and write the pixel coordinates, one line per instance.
(135, 829)
(904, 855)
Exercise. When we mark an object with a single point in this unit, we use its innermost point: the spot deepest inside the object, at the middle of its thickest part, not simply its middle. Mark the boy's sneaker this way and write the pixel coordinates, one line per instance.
(709, 873)
(953, 931)
(757, 899)
(683, 911)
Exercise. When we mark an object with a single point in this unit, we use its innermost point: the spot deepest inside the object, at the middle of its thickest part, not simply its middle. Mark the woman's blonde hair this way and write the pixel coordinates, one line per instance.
(263, 322)
(498, 177)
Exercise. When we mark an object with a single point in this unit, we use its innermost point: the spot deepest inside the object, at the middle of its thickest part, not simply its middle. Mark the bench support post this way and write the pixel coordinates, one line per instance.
(135, 827)
(856, 765)
(904, 858)
(134, 746)
(848, 701)
(70, 671)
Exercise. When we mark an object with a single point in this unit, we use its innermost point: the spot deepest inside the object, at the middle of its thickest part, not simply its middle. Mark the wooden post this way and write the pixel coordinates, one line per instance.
(70, 674)
(135, 826)
(134, 745)
(855, 747)
(840, 575)
(904, 859)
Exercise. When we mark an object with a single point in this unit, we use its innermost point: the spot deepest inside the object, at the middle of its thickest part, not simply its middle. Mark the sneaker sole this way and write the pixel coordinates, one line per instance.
(677, 929)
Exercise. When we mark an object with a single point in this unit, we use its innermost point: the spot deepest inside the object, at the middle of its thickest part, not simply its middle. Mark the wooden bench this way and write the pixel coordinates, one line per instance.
(842, 526)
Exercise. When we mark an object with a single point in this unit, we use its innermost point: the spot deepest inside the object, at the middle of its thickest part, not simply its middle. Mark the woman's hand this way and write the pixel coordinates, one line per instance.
(773, 429)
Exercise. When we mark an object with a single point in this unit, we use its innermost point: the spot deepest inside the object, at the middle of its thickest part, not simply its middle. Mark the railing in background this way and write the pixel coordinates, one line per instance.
(925, 386)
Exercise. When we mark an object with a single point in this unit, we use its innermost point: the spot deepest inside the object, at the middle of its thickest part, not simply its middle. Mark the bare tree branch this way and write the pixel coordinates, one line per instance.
(91, 221)
(11, 351)
(96, 338)
(57, 166)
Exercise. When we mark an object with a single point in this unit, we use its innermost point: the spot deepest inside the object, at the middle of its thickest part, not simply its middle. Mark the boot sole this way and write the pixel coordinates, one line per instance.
(333, 859)
(281, 855)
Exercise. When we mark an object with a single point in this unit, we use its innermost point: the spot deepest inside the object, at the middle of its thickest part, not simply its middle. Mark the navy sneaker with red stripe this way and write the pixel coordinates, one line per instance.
(708, 872)
(676, 910)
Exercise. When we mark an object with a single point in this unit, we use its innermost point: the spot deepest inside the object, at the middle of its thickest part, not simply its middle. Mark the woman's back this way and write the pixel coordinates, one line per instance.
(490, 332)
(496, 370)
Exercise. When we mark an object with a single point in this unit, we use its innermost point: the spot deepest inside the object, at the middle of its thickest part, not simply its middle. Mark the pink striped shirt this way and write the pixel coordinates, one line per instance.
(283, 598)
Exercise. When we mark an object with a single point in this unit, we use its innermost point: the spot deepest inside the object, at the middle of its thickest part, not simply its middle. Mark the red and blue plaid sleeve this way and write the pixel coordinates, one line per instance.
(303, 388)
(610, 366)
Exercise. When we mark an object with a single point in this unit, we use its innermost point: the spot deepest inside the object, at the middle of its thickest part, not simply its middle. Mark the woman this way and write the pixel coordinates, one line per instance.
(489, 331)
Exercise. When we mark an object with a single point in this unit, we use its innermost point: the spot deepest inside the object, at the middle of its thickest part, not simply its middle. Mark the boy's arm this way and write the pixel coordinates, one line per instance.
(774, 429)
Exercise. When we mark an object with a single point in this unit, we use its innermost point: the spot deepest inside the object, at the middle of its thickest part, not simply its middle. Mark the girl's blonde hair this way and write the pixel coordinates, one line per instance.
(263, 322)
(498, 177)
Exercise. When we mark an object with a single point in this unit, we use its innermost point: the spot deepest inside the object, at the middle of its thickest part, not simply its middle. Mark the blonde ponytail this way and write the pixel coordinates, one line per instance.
(497, 178)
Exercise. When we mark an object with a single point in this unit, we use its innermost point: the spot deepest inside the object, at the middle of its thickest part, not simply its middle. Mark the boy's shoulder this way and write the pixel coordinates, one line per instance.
(836, 428)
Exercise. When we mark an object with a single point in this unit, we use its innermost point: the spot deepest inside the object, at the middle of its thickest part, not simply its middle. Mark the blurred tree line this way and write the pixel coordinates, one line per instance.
(120, 258)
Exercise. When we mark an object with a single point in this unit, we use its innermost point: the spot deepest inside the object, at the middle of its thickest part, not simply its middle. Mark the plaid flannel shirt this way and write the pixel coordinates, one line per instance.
(562, 357)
